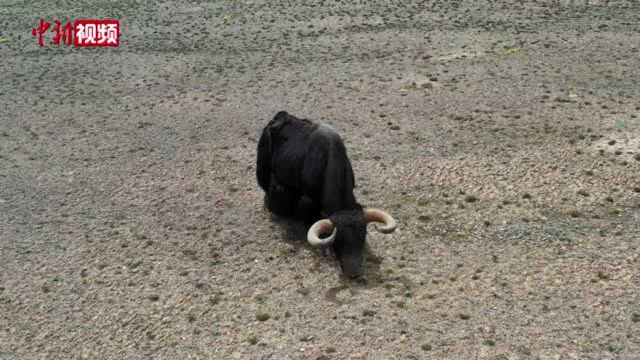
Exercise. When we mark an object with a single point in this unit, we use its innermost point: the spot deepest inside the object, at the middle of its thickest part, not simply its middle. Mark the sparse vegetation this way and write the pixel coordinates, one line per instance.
(130, 218)
(263, 317)
(575, 213)
(471, 198)
(253, 340)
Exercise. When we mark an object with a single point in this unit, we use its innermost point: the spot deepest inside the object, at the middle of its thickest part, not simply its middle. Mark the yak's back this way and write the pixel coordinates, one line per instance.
(327, 167)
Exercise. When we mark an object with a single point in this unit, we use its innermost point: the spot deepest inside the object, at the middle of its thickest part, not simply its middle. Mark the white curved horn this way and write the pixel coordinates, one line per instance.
(320, 227)
(379, 216)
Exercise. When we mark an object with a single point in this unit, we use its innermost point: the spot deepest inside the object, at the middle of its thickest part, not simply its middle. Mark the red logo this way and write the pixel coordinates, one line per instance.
(82, 33)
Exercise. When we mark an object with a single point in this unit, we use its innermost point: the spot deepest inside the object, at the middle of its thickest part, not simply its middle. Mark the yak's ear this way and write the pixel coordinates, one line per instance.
(279, 120)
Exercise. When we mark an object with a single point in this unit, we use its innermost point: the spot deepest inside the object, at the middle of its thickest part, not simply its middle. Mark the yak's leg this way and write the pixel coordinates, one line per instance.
(281, 201)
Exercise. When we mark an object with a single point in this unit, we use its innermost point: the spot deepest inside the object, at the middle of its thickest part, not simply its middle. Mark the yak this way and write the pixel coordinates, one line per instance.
(300, 161)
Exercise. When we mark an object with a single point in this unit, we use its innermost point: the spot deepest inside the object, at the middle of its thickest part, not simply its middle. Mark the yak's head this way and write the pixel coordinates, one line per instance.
(348, 232)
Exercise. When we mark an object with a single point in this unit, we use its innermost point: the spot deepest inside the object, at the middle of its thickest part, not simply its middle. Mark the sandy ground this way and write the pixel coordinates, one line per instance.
(504, 137)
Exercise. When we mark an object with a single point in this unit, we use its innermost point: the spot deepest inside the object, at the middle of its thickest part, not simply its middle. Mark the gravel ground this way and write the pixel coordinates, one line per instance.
(503, 136)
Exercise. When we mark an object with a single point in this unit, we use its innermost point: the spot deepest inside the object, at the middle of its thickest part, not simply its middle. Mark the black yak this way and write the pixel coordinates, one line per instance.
(299, 160)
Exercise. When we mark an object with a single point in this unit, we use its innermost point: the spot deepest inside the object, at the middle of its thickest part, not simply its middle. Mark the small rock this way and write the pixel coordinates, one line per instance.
(306, 338)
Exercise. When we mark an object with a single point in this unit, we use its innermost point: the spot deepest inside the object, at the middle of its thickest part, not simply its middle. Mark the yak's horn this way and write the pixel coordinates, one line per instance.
(379, 216)
(321, 227)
